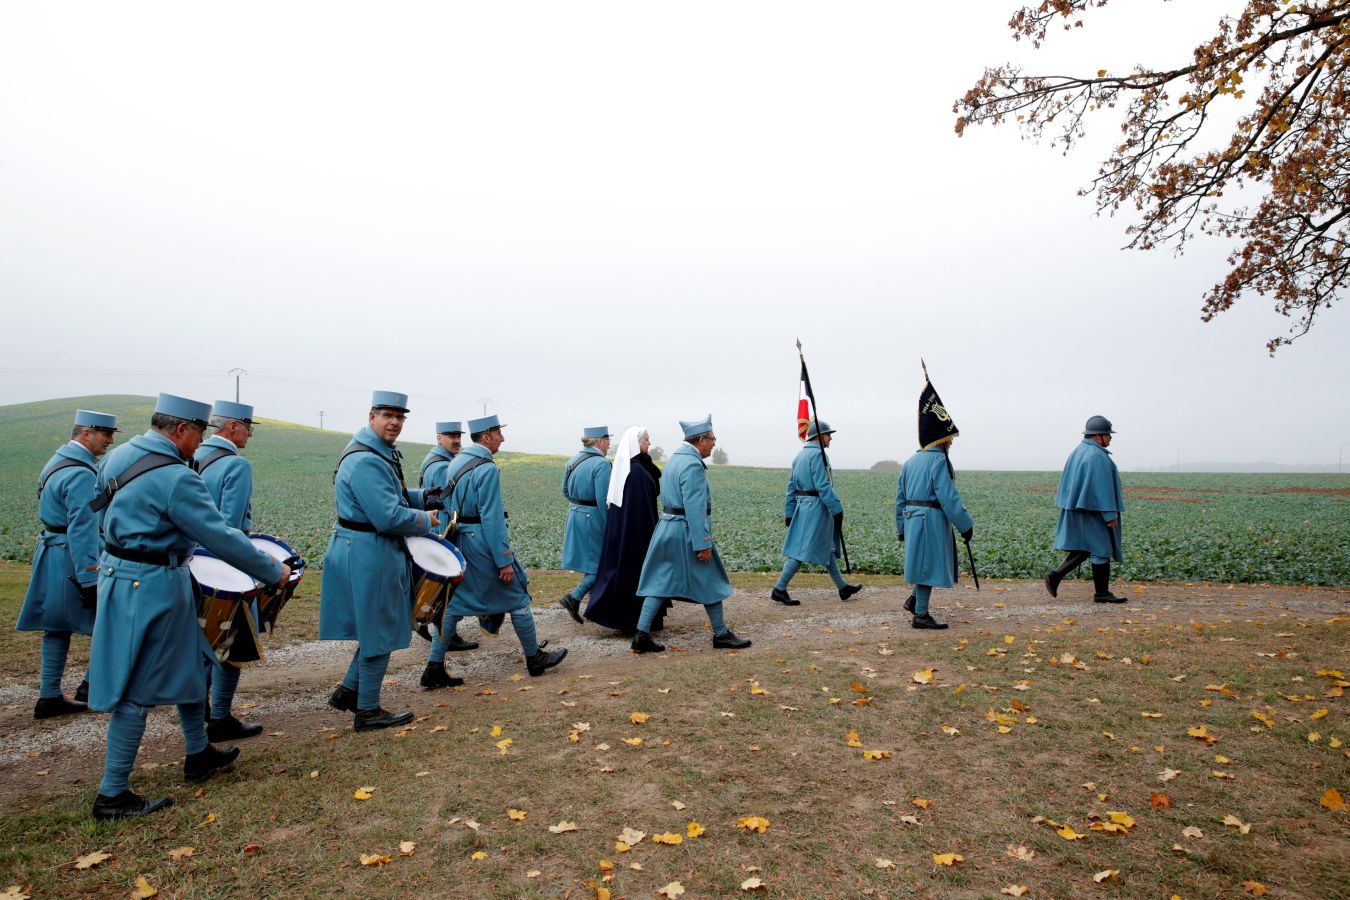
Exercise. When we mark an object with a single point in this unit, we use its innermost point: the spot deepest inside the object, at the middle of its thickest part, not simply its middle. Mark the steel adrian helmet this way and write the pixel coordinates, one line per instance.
(1098, 425)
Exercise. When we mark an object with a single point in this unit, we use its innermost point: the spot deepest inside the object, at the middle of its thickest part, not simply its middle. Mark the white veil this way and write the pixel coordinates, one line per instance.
(629, 446)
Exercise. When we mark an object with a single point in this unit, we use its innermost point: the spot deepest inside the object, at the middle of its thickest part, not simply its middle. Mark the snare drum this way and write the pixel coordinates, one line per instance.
(270, 603)
(437, 567)
(225, 608)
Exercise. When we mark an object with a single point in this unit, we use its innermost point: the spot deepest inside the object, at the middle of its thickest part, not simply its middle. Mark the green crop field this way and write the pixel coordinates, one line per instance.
(1279, 529)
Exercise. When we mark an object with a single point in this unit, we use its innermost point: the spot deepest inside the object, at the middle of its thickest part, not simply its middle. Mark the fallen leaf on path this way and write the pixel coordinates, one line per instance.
(1333, 800)
(1021, 852)
(753, 883)
(210, 818)
(374, 859)
(677, 804)
(178, 853)
(1235, 822)
(407, 848)
(1191, 831)
(144, 888)
(921, 803)
(638, 718)
(631, 836)
(910, 820)
(947, 859)
(1168, 774)
(504, 746)
(1255, 888)
(1015, 890)
(496, 731)
(756, 689)
(876, 754)
(947, 729)
(478, 855)
(1069, 834)
(852, 739)
(516, 815)
(753, 823)
(672, 890)
(1159, 800)
(363, 793)
(923, 676)
(1106, 875)
(633, 742)
(668, 837)
(563, 826)
(693, 829)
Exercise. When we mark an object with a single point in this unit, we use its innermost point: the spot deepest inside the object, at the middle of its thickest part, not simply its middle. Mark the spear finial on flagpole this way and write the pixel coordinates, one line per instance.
(925, 369)
(799, 346)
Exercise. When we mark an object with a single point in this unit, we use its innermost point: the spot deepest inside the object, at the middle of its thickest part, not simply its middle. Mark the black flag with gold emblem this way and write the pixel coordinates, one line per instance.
(935, 423)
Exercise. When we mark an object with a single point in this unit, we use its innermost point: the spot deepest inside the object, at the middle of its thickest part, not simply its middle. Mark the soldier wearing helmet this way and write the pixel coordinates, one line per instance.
(1090, 508)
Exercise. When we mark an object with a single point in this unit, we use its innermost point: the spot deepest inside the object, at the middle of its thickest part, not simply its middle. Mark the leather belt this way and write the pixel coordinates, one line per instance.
(55, 529)
(353, 525)
(139, 556)
(583, 502)
(929, 504)
(679, 510)
(807, 493)
(469, 520)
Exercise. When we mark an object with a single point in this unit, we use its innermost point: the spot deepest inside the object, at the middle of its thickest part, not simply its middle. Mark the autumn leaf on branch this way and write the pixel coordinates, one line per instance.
(1275, 182)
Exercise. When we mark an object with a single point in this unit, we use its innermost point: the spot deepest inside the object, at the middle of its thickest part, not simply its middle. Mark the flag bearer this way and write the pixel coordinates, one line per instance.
(814, 516)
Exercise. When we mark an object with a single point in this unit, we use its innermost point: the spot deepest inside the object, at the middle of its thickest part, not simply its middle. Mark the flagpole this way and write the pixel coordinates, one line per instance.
(970, 554)
(820, 439)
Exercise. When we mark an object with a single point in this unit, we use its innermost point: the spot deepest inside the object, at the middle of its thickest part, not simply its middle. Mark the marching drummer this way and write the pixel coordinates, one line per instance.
(148, 649)
(494, 581)
(367, 576)
(584, 486)
(64, 587)
(449, 440)
(229, 479)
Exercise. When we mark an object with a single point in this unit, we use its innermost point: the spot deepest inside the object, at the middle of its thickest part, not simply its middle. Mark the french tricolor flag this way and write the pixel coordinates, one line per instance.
(806, 405)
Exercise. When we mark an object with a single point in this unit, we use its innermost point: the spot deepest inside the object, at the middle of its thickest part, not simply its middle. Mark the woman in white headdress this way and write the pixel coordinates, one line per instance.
(634, 487)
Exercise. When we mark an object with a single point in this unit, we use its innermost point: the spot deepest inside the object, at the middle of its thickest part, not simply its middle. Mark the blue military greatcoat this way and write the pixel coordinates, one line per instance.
(671, 568)
(585, 485)
(230, 481)
(52, 602)
(367, 576)
(484, 543)
(1089, 497)
(812, 505)
(431, 474)
(930, 548)
(148, 648)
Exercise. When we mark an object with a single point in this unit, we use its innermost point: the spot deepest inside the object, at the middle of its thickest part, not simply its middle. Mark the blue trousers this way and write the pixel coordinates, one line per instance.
(652, 605)
(792, 567)
(55, 647)
(126, 726)
(921, 594)
(522, 620)
(365, 676)
(1100, 560)
(449, 626)
(221, 683)
(583, 586)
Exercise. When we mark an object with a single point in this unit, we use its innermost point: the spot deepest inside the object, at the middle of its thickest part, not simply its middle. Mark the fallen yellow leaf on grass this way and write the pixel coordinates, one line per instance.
(753, 883)
(1069, 834)
(753, 823)
(756, 689)
(693, 829)
(602, 893)
(363, 793)
(516, 815)
(1235, 822)
(672, 890)
(638, 718)
(852, 739)
(1220, 774)
(1333, 800)
(1021, 852)
(668, 837)
(1015, 890)
(496, 731)
(374, 859)
(13, 892)
(89, 860)
(630, 837)
(562, 827)
(504, 745)
(1151, 715)
(923, 676)
(1314, 737)
(1263, 718)
(144, 888)
(947, 729)
(884, 863)
(1320, 714)
(178, 853)
(605, 866)
(478, 855)
(876, 754)
(1168, 774)
(210, 818)
(676, 804)
(439, 728)
(1106, 875)
(921, 803)
(948, 859)
(633, 742)
(1202, 733)
(1159, 800)
(1255, 888)
(407, 848)
(1191, 831)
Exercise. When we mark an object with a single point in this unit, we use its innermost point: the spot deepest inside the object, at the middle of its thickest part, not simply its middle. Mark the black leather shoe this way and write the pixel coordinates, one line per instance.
(82, 692)
(573, 607)
(729, 641)
(544, 660)
(909, 604)
(1052, 580)
(457, 644)
(781, 596)
(51, 707)
(1108, 597)
(927, 621)
(379, 717)
(492, 624)
(849, 590)
(202, 765)
(643, 643)
(343, 698)
(434, 676)
(126, 805)
(231, 729)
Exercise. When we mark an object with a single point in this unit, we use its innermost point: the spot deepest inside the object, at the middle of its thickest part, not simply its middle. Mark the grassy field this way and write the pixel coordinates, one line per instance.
(1279, 529)
(1048, 754)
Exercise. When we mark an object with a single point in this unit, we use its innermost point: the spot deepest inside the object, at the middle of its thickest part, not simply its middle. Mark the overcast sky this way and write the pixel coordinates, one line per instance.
(615, 213)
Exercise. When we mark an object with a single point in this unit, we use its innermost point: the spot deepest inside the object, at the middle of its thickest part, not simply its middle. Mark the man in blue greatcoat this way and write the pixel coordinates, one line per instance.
(494, 581)
(229, 479)
(1090, 505)
(63, 590)
(432, 474)
(585, 483)
(148, 649)
(682, 563)
(928, 507)
(367, 574)
(814, 516)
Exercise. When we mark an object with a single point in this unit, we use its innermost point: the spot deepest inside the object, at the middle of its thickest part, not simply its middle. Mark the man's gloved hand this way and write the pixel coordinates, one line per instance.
(900, 537)
(839, 520)
(88, 595)
(968, 534)
(787, 521)
(433, 498)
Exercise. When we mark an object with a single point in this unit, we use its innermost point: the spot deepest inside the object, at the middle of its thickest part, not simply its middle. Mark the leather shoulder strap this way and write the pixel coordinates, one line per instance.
(147, 463)
(63, 464)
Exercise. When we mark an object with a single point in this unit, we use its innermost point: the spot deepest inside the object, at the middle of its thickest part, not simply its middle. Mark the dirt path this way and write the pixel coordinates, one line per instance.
(288, 694)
